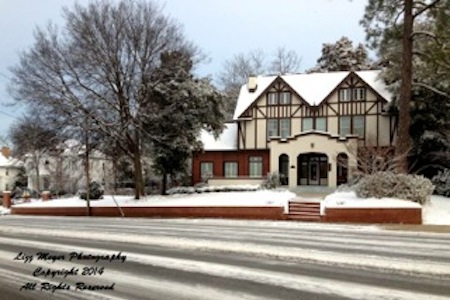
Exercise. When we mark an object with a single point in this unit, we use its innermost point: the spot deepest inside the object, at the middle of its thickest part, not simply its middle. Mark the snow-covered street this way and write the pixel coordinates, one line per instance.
(221, 259)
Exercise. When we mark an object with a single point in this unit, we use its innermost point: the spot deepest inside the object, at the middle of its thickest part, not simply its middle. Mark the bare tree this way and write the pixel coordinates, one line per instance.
(31, 138)
(236, 72)
(99, 67)
(241, 66)
(285, 61)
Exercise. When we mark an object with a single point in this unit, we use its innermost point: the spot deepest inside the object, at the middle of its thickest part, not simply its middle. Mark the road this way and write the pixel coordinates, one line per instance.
(113, 258)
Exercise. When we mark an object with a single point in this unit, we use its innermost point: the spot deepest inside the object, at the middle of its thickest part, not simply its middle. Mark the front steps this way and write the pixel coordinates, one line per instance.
(304, 211)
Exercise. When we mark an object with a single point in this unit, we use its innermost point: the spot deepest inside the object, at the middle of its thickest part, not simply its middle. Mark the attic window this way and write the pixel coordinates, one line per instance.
(272, 99)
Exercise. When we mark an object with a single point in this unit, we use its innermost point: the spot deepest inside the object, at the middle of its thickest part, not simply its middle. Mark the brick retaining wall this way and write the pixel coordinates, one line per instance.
(374, 215)
(230, 212)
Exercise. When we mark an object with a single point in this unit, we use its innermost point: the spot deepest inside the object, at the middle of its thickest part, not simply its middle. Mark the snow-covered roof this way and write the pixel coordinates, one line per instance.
(313, 87)
(226, 141)
(9, 162)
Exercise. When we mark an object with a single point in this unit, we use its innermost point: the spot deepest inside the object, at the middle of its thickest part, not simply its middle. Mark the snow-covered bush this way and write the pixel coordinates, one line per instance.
(95, 191)
(272, 181)
(441, 183)
(390, 185)
(211, 189)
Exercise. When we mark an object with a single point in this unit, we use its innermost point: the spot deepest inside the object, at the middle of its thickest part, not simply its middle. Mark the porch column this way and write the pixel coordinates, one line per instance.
(332, 172)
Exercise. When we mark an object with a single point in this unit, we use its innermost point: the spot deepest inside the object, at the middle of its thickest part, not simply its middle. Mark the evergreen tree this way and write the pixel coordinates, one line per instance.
(387, 22)
(342, 56)
(182, 106)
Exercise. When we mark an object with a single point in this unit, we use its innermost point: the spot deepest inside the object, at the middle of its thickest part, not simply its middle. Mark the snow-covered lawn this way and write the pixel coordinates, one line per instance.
(256, 198)
(437, 211)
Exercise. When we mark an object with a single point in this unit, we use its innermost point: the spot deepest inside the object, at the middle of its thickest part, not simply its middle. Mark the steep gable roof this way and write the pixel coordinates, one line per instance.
(9, 162)
(312, 88)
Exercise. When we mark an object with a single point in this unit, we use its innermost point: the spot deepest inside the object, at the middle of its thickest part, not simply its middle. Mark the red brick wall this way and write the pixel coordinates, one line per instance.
(219, 157)
(257, 213)
(374, 215)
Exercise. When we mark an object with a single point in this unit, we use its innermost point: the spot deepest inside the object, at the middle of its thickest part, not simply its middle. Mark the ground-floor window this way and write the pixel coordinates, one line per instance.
(255, 166)
(283, 169)
(206, 170)
(312, 169)
(230, 169)
(342, 168)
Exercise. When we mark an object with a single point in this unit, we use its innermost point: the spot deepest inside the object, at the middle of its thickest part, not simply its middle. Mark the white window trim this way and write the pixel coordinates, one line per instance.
(231, 172)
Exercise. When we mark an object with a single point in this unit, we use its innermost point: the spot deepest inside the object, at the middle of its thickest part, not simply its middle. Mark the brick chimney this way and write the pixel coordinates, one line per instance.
(6, 152)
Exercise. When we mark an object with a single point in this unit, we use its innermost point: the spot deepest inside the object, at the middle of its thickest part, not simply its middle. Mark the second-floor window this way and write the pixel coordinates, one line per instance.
(351, 125)
(318, 123)
(278, 128)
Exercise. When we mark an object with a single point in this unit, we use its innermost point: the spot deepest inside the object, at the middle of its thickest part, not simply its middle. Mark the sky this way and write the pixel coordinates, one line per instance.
(220, 28)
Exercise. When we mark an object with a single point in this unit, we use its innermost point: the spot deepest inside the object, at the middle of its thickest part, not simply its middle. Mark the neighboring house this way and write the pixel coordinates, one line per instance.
(9, 168)
(307, 127)
(62, 169)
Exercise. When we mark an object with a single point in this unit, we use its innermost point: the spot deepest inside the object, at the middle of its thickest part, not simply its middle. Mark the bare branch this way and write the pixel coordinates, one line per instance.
(425, 8)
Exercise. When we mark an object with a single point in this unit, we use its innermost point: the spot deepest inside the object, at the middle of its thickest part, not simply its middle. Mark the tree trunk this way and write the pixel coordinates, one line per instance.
(164, 184)
(86, 170)
(38, 173)
(138, 180)
(403, 141)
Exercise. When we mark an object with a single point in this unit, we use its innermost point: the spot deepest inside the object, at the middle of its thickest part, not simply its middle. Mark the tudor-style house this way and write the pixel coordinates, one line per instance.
(307, 127)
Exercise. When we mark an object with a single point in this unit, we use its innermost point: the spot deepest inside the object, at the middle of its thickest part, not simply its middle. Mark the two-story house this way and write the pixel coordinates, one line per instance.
(9, 169)
(307, 127)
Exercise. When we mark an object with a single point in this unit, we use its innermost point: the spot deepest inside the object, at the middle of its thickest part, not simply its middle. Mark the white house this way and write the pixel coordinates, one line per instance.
(62, 168)
(9, 168)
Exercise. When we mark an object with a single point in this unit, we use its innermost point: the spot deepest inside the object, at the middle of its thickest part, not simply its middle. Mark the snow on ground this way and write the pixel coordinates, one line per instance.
(350, 200)
(4, 211)
(257, 198)
(437, 211)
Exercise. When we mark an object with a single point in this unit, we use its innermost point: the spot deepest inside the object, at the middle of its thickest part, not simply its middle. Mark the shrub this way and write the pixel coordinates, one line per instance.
(390, 185)
(272, 181)
(441, 183)
(211, 189)
(95, 191)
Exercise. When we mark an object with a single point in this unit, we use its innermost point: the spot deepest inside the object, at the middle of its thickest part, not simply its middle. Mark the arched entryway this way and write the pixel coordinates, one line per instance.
(312, 169)
(342, 168)
(283, 169)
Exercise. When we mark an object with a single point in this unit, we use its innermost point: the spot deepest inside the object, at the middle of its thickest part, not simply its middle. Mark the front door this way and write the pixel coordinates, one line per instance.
(312, 169)
(314, 173)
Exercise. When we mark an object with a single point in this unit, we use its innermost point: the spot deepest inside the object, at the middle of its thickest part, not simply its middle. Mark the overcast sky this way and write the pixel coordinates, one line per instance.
(221, 28)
